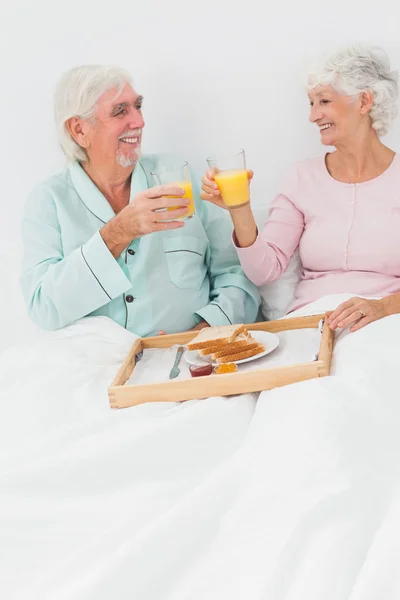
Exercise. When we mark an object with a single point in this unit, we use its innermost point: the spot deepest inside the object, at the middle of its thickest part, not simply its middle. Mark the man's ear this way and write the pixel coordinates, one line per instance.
(78, 129)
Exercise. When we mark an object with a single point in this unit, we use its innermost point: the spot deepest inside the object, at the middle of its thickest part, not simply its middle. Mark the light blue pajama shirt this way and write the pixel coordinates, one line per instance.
(165, 280)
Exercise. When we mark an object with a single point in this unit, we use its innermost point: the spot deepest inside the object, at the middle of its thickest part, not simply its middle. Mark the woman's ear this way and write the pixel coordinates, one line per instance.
(367, 100)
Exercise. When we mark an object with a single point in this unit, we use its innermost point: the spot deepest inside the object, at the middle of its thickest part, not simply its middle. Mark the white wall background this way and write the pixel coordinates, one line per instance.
(214, 73)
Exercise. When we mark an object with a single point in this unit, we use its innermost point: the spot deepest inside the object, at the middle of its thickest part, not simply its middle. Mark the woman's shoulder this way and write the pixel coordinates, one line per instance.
(308, 165)
(303, 172)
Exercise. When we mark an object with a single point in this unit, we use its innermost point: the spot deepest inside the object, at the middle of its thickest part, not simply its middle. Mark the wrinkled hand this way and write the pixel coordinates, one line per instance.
(199, 326)
(140, 217)
(356, 313)
(210, 191)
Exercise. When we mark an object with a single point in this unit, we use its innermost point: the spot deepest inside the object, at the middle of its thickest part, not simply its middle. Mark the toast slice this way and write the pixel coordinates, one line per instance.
(215, 336)
(241, 341)
(232, 349)
(241, 355)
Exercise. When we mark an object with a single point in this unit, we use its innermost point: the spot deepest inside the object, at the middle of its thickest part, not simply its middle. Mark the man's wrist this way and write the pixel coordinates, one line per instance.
(114, 237)
(201, 325)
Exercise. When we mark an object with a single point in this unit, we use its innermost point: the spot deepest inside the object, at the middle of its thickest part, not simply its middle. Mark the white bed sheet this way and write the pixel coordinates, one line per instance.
(292, 496)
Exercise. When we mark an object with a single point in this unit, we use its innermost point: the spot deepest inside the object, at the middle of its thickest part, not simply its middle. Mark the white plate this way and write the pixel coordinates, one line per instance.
(269, 340)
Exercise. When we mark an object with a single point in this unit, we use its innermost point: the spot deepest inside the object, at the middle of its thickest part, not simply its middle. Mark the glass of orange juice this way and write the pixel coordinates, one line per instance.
(230, 175)
(178, 174)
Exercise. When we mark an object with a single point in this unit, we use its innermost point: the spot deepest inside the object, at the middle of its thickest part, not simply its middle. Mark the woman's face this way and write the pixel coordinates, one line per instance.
(337, 116)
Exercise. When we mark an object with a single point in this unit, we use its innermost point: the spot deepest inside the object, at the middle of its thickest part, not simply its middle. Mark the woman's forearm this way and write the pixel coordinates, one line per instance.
(245, 226)
(265, 256)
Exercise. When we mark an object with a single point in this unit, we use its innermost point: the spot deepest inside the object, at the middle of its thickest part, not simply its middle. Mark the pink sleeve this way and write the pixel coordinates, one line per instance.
(268, 258)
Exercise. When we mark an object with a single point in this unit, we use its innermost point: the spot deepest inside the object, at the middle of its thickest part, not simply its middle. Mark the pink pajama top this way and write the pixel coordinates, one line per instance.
(348, 234)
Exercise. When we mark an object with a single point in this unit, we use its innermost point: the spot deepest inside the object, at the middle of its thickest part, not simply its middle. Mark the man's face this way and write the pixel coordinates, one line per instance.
(115, 135)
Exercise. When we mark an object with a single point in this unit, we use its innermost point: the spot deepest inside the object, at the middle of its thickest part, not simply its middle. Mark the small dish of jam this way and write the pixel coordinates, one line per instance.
(200, 369)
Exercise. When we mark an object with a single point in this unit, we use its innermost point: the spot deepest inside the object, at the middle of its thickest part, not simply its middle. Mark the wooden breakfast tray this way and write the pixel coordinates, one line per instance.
(122, 396)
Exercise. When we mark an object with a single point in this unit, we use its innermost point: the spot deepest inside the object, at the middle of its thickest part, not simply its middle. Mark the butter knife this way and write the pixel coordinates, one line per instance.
(175, 369)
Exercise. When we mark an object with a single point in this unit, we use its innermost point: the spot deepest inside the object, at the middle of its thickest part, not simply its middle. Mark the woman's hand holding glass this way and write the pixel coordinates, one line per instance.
(227, 185)
(211, 191)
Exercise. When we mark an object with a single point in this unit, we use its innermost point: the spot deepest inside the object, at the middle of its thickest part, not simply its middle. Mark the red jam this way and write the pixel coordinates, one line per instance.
(200, 369)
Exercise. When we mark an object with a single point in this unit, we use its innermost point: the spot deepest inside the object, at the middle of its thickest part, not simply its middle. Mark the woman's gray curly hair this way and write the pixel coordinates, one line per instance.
(356, 69)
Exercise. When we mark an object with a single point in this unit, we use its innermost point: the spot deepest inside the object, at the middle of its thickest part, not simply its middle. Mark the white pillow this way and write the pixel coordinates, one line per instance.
(277, 296)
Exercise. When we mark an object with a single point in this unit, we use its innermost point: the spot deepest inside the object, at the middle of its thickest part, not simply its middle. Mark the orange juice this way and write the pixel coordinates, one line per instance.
(187, 186)
(234, 186)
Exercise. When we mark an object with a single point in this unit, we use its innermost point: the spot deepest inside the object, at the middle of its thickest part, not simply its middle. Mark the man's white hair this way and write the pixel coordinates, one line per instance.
(357, 69)
(77, 94)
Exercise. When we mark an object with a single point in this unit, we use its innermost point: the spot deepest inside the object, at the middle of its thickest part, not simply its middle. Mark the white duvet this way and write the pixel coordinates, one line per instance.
(291, 496)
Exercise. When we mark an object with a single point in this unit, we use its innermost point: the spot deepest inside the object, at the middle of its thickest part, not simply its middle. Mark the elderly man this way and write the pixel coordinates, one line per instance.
(96, 242)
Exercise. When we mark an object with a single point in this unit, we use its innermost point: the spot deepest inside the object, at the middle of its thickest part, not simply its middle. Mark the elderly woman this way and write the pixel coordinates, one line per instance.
(95, 240)
(342, 210)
